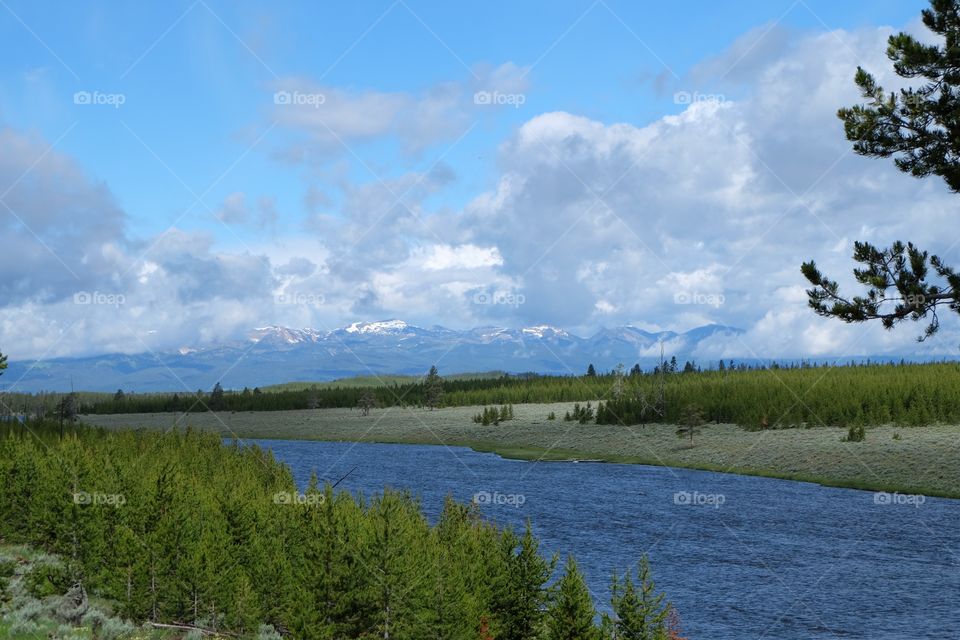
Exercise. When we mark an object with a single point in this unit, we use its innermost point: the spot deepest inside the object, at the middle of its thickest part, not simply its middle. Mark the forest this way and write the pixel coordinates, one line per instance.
(180, 529)
(755, 398)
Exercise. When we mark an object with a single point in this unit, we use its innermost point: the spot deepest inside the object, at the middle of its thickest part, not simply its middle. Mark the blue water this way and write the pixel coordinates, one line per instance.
(753, 558)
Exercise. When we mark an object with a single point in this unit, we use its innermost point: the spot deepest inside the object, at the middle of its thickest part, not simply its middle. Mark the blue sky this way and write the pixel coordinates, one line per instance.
(228, 201)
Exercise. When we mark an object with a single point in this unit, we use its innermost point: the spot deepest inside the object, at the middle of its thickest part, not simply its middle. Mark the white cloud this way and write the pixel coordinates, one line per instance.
(236, 211)
(327, 120)
(441, 257)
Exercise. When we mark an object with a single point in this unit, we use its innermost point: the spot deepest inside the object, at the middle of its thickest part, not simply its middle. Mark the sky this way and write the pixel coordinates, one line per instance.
(179, 173)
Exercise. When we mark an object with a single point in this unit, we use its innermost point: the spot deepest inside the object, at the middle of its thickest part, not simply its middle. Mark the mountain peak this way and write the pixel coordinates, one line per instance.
(378, 327)
(545, 330)
(272, 334)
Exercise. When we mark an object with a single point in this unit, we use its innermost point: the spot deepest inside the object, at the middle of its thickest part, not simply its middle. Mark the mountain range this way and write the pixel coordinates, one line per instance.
(271, 355)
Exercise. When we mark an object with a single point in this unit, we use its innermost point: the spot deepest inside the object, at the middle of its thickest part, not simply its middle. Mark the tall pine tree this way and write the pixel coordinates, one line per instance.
(571, 613)
(639, 612)
(523, 596)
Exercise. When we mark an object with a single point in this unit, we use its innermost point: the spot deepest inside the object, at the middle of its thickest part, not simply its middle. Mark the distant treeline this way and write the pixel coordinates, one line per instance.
(179, 528)
(754, 397)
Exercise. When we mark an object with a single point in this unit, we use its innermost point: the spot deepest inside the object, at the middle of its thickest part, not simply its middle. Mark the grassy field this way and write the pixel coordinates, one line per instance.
(923, 460)
(372, 381)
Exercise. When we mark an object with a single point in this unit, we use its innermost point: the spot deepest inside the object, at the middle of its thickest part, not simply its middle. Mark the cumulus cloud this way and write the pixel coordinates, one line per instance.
(703, 216)
(60, 230)
(325, 120)
(73, 281)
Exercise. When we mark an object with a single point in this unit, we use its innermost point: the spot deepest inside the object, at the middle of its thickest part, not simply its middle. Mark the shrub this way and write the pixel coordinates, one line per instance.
(25, 628)
(27, 609)
(66, 632)
(114, 629)
(267, 632)
(47, 579)
(492, 415)
(580, 414)
(8, 567)
(856, 433)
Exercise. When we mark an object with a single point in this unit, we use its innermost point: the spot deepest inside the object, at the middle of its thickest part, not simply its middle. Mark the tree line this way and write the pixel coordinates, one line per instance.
(776, 396)
(179, 528)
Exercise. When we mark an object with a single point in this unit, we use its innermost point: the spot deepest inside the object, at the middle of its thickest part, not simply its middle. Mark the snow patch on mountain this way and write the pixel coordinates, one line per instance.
(284, 335)
(382, 327)
(545, 331)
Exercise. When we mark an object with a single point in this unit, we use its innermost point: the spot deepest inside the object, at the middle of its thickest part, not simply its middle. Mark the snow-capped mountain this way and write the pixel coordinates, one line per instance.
(273, 354)
(545, 331)
(280, 336)
(386, 327)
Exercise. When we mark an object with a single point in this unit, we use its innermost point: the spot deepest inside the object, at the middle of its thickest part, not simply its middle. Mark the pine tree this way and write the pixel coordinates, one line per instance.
(367, 401)
(591, 371)
(246, 604)
(433, 388)
(691, 419)
(639, 613)
(571, 612)
(455, 607)
(396, 561)
(216, 397)
(618, 383)
(523, 597)
(322, 542)
(916, 127)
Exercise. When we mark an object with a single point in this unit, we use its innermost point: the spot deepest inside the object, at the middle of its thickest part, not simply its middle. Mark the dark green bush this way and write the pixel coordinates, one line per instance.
(47, 579)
